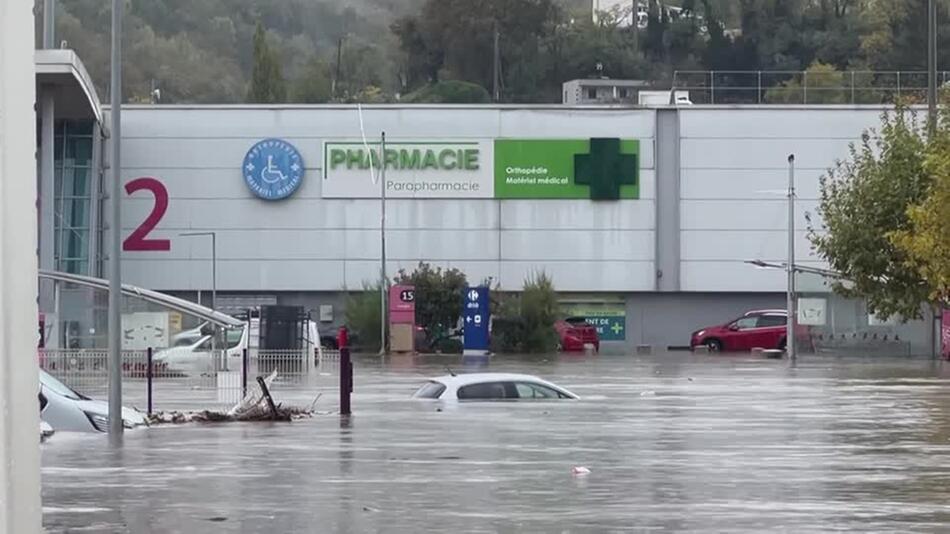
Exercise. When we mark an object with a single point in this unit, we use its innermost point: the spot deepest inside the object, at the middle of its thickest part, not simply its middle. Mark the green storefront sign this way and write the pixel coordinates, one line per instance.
(596, 169)
(609, 319)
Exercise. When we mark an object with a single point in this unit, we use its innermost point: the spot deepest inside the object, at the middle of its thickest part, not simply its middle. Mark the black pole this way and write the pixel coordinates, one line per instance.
(932, 66)
(244, 369)
(267, 397)
(148, 377)
(346, 380)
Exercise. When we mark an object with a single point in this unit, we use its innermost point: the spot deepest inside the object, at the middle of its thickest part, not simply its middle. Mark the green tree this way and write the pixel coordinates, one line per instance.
(449, 92)
(313, 86)
(864, 201)
(820, 84)
(539, 310)
(438, 298)
(267, 81)
(926, 242)
(363, 316)
(454, 39)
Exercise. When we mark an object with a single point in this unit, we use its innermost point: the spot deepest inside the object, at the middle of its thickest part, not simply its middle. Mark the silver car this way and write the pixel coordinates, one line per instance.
(65, 410)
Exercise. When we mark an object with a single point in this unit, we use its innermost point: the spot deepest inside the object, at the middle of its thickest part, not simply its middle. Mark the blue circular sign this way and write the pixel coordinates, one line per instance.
(273, 169)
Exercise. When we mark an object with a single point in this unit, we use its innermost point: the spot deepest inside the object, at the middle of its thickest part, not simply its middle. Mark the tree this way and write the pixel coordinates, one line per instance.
(820, 84)
(539, 309)
(363, 316)
(450, 92)
(438, 298)
(267, 82)
(313, 87)
(926, 242)
(864, 200)
(455, 39)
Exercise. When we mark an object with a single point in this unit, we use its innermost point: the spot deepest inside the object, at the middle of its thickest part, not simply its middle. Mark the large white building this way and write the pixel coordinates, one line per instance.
(646, 216)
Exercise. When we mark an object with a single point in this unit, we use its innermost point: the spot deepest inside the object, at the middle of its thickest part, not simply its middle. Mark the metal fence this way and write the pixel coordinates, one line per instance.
(212, 380)
(804, 87)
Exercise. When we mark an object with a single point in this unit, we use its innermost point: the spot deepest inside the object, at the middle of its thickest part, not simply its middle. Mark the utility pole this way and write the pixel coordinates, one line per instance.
(635, 27)
(790, 292)
(339, 60)
(932, 66)
(383, 279)
(115, 274)
(496, 67)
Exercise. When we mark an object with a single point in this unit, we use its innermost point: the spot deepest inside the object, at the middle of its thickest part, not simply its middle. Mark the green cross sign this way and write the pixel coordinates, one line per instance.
(605, 169)
(592, 168)
(617, 328)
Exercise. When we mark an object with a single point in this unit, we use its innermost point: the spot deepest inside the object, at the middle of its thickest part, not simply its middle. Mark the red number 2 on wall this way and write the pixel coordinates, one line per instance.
(138, 240)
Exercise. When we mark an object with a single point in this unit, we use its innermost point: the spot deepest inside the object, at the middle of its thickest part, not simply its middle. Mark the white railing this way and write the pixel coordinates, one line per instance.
(189, 380)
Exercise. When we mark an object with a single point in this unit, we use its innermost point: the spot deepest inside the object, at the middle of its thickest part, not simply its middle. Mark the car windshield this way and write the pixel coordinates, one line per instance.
(58, 387)
(431, 390)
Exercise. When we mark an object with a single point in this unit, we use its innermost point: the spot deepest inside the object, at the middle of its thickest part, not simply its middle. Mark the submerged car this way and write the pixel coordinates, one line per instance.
(492, 387)
(63, 409)
(575, 334)
(756, 329)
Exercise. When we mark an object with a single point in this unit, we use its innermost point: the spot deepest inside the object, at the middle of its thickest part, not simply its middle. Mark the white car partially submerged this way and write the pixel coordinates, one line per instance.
(492, 387)
(63, 409)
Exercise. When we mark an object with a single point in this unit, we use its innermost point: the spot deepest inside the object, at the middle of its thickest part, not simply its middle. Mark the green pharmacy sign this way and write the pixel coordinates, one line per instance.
(596, 169)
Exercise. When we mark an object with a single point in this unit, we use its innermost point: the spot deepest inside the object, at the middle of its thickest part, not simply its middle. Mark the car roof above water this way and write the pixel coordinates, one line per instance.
(465, 379)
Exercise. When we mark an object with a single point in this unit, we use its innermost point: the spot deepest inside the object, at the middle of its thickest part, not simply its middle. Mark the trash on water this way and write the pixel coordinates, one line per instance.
(254, 407)
(648, 394)
(580, 470)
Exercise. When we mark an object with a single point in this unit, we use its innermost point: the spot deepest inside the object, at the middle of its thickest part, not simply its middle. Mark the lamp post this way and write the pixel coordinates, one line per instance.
(384, 280)
(790, 291)
(214, 263)
(932, 66)
(115, 274)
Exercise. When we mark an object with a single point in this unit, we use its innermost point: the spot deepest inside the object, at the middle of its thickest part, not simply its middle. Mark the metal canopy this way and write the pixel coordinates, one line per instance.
(174, 303)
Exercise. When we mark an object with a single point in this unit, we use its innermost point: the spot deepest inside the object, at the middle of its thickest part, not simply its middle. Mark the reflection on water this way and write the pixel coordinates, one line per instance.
(674, 442)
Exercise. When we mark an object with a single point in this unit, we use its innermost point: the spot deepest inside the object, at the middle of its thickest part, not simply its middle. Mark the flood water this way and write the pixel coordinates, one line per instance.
(674, 443)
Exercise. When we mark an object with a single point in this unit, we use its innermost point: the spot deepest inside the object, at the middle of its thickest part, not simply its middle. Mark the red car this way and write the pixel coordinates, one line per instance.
(756, 329)
(574, 333)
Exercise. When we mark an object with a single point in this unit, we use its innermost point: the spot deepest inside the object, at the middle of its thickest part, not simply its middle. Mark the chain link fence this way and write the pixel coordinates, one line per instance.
(805, 87)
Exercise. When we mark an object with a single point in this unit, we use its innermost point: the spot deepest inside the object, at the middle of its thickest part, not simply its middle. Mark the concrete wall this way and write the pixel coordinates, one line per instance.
(733, 175)
(723, 172)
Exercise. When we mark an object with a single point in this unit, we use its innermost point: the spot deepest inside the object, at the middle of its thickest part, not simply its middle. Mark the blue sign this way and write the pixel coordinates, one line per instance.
(476, 312)
(273, 169)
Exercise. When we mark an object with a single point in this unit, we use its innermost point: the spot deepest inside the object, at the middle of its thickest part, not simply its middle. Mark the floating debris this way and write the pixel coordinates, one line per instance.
(580, 471)
(256, 406)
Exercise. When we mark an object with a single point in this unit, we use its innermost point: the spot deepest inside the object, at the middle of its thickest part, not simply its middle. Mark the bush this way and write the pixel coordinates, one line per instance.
(363, 317)
(449, 345)
(525, 322)
(438, 298)
(539, 311)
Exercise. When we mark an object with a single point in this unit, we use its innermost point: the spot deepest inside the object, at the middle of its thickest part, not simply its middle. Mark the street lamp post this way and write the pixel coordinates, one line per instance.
(932, 66)
(384, 280)
(790, 291)
(214, 264)
(115, 275)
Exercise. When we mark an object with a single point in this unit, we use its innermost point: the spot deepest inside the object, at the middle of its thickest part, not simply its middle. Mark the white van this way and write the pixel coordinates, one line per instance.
(193, 356)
